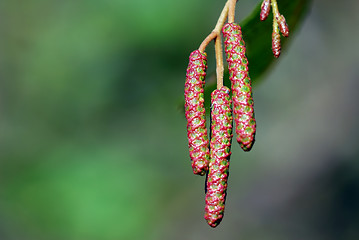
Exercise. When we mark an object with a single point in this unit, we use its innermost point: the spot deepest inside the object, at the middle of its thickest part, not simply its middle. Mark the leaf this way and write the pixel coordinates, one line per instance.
(258, 38)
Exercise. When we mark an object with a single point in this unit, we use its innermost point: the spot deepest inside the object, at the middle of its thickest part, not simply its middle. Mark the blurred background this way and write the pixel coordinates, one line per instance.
(93, 144)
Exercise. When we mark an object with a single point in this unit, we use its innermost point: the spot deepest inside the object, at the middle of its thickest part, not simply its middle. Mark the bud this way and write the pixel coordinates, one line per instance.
(276, 47)
(265, 8)
(283, 26)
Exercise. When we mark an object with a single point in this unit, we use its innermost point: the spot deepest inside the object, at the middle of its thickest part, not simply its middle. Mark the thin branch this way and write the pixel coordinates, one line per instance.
(219, 61)
(275, 9)
(217, 29)
(232, 10)
(222, 18)
(206, 41)
(275, 26)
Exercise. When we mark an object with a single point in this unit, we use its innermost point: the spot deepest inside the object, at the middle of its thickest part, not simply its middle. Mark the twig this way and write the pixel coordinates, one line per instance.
(219, 61)
(232, 10)
(217, 29)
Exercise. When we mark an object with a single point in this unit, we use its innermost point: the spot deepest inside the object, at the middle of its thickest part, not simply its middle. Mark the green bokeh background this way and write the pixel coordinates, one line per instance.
(93, 145)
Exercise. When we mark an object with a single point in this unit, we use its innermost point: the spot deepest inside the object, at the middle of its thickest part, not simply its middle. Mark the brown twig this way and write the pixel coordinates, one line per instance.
(232, 10)
(219, 61)
(217, 29)
(216, 34)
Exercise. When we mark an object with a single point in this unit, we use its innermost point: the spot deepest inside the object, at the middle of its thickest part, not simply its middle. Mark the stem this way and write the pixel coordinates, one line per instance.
(219, 61)
(217, 29)
(222, 18)
(216, 34)
(206, 41)
(275, 34)
(232, 10)
(275, 26)
(275, 9)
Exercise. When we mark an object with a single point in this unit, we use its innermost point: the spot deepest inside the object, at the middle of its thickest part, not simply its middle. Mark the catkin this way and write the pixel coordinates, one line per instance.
(243, 111)
(283, 26)
(220, 151)
(276, 46)
(265, 9)
(195, 112)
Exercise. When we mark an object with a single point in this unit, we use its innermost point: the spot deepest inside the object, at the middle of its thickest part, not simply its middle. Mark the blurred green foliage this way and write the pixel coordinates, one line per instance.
(77, 159)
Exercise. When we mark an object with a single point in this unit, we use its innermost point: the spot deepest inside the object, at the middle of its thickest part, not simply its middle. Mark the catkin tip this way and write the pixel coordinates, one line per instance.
(214, 223)
(247, 147)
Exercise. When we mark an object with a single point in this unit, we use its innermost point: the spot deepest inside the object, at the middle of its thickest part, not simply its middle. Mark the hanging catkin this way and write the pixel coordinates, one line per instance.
(221, 137)
(195, 112)
(243, 111)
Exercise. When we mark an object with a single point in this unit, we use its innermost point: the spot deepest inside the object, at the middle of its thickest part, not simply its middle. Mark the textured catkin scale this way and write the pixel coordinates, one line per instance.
(243, 111)
(221, 138)
(195, 112)
(276, 47)
(265, 8)
(283, 26)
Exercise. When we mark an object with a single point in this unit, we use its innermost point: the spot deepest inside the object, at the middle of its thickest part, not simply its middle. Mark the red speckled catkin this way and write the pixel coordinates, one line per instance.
(276, 47)
(221, 137)
(243, 111)
(265, 8)
(195, 112)
(283, 26)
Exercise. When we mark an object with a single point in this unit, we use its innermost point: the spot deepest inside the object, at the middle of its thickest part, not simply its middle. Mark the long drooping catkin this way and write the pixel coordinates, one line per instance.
(195, 112)
(220, 151)
(243, 111)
